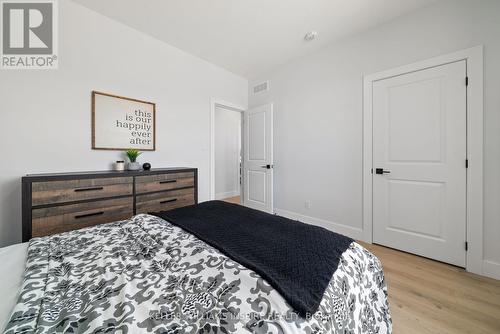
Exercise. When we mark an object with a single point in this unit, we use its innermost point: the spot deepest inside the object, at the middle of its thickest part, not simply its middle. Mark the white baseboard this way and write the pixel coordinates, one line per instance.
(491, 269)
(352, 232)
(227, 194)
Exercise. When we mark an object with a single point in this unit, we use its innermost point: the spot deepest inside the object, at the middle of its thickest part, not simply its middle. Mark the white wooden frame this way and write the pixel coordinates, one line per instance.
(474, 234)
(214, 103)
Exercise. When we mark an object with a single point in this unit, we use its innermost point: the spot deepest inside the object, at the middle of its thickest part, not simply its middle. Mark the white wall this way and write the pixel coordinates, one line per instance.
(45, 115)
(318, 113)
(227, 139)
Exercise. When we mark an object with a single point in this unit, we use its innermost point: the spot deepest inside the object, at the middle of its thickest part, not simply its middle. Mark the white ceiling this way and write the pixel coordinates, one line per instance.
(249, 37)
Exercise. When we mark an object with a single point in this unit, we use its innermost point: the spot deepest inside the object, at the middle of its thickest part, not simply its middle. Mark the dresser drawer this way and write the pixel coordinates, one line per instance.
(52, 192)
(160, 182)
(65, 218)
(164, 201)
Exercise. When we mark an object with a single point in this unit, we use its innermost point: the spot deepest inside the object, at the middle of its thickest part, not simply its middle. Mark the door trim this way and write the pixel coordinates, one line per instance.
(474, 196)
(214, 103)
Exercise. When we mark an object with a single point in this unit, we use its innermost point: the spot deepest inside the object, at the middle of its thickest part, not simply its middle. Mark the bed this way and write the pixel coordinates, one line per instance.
(147, 274)
(13, 260)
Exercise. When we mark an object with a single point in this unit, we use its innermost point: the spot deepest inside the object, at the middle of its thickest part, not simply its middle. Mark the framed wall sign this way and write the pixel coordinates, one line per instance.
(121, 123)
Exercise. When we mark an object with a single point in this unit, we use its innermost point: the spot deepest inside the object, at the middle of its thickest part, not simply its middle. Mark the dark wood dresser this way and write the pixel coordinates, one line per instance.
(55, 203)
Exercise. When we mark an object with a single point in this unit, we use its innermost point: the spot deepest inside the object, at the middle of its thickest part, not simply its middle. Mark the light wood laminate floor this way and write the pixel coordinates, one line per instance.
(427, 296)
(235, 200)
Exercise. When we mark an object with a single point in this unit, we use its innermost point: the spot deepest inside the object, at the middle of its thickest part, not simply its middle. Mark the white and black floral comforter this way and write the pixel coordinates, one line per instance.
(147, 275)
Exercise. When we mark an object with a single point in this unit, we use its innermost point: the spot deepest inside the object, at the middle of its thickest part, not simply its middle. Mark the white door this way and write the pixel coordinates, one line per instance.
(258, 158)
(419, 171)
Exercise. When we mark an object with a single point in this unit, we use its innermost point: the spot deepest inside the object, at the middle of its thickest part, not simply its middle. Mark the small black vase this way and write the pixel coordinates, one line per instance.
(146, 166)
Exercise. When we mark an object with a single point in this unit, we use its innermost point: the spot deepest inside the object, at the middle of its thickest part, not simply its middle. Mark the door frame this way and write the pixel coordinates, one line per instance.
(474, 182)
(214, 103)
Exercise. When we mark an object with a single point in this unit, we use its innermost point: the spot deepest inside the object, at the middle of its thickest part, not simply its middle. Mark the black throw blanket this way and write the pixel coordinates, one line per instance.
(297, 259)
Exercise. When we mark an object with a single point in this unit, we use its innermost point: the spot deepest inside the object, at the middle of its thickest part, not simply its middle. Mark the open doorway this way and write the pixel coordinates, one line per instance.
(227, 153)
(253, 165)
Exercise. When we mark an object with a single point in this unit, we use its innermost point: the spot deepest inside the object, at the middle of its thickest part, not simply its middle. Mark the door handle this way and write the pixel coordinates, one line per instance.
(267, 166)
(382, 171)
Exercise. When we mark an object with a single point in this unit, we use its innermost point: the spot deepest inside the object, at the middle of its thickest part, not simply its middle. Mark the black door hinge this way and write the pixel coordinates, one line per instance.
(466, 163)
(466, 81)
(466, 246)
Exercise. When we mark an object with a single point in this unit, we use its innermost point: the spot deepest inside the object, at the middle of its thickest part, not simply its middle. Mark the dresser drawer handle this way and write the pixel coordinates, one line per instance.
(168, 181)
(89, 189)
(89, 215)
(169, 201)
